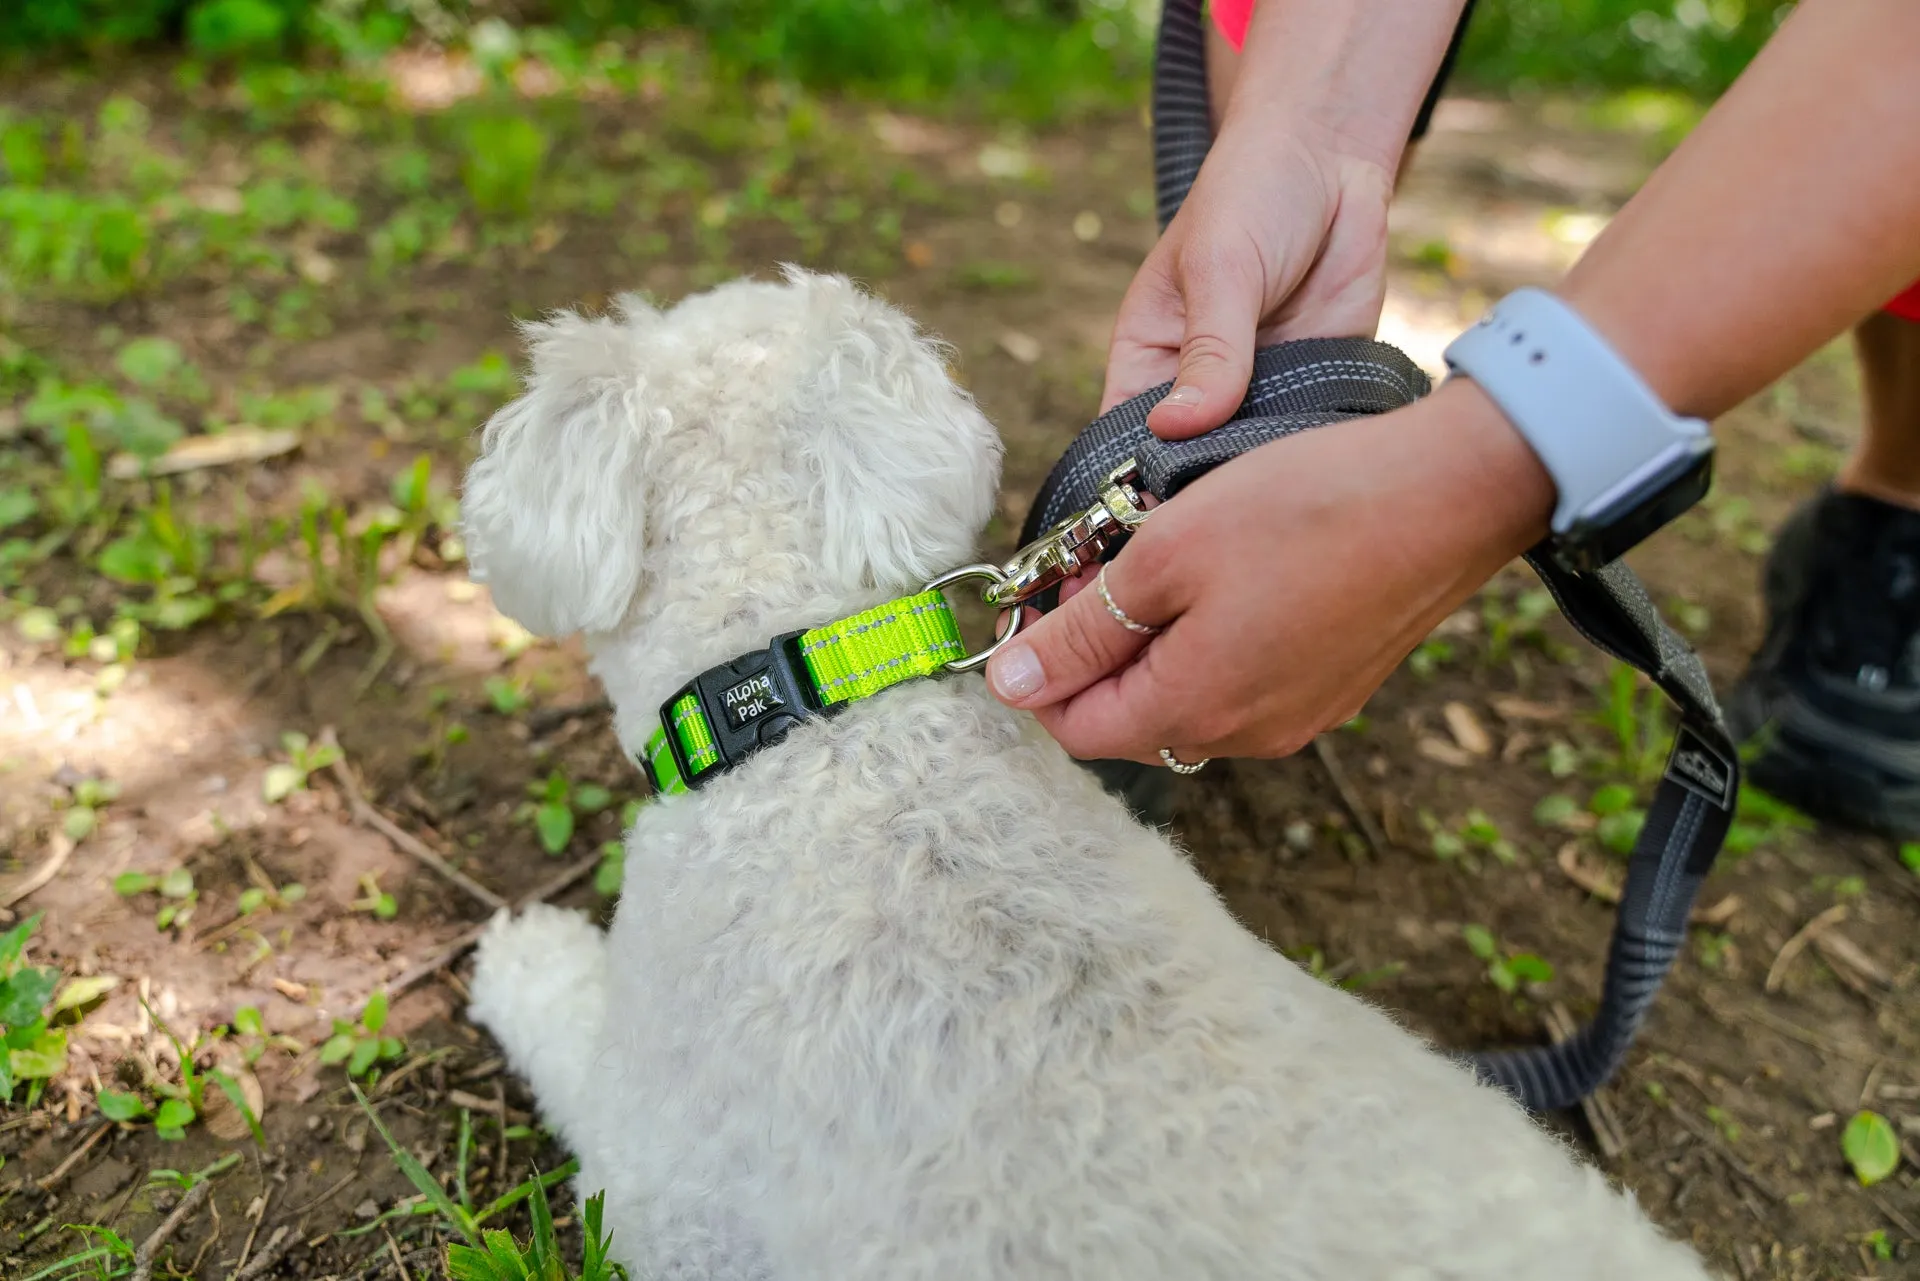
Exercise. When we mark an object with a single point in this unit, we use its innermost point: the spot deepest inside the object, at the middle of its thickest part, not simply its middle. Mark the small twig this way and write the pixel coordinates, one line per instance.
(74, 1158)
(1798, 943)
(1872, 1083)
(213, 1239)
(62, 847)
(1733, 1163)
(1362, 816)
(329, 1194)
(143, 1257)
(1894, 1217)
(1606, 887)
(495, 1107)
(277, 1245)
(1785, 1027)
(393, 1248)
(541, 720)
(1844, 955)
(367, 816)
(1596, 1107)
(453, 951)
(258, 1213)
(392, 1080)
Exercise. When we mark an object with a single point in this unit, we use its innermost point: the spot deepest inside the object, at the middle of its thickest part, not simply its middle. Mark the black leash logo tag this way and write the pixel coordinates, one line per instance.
(1700, 769)
(749, 700)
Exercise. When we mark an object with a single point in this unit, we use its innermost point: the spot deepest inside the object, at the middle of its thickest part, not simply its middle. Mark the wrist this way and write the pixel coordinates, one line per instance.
(1503, 491)
(1353, 72)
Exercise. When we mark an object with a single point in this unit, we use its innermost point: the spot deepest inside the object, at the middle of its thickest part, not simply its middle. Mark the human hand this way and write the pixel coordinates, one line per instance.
(1284, 235)
(1287, 584)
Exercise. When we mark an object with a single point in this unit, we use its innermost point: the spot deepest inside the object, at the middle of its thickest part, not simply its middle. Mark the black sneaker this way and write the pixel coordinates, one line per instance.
(1829, 709)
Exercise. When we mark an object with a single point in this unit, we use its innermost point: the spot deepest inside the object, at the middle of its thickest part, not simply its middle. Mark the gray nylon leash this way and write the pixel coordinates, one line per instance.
(1317, 382)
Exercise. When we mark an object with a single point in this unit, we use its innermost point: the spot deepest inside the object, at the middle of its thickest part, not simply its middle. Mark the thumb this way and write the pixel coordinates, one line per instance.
(1222, 302)
(1076, 645)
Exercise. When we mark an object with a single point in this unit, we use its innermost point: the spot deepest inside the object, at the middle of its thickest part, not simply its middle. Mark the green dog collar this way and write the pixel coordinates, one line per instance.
(728, 712)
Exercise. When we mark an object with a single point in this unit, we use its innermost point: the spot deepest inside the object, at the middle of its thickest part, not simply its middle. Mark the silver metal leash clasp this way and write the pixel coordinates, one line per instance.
(1075, 544)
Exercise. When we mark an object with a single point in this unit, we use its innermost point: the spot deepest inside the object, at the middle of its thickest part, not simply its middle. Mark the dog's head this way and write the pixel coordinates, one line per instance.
(755, 450)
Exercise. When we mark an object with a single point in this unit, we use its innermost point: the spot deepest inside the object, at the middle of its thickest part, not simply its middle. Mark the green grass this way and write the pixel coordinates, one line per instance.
(490, 1254)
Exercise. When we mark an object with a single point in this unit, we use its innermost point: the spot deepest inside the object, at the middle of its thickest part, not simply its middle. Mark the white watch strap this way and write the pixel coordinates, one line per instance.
(1599, 430)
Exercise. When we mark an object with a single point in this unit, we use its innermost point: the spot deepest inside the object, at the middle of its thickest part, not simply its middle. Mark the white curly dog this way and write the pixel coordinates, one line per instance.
(906, 997)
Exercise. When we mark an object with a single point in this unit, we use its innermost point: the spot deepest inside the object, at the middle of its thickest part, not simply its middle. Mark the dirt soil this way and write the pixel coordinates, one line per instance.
(1726, 1120)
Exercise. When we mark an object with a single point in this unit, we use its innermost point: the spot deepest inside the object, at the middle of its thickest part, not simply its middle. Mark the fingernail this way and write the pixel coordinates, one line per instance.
(1015, 672)
(1183, 397)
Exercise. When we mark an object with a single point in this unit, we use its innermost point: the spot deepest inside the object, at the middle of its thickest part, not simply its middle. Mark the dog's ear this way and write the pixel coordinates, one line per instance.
(554, 508)
(908, 466)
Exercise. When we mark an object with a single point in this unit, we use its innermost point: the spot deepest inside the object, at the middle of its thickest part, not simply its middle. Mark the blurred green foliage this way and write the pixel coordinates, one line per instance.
(1035, 58)
(1699, 46)
(1039, 59)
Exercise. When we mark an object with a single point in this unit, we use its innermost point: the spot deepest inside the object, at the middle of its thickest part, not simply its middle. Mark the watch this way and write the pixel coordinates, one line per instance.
(1623, 464)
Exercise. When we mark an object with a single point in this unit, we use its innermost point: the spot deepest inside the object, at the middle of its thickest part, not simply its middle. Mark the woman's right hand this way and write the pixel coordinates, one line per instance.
(1281, 237)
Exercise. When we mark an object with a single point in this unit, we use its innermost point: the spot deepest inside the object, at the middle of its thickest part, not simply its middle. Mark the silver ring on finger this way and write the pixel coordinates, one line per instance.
(1120, 615)
(1179, 766)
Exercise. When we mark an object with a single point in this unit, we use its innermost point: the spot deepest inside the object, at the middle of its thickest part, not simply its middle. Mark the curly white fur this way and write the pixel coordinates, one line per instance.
(906, 997)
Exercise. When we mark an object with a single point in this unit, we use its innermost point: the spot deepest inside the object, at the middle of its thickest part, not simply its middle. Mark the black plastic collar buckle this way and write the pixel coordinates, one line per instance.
(750, 703)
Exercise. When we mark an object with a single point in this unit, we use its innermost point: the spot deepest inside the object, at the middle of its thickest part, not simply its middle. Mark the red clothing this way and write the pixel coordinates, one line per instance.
(1907, 305)
(1232, 16)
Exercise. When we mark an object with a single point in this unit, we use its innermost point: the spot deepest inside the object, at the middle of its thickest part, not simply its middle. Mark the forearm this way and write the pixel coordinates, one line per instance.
(1791, 212)
(1354, 70)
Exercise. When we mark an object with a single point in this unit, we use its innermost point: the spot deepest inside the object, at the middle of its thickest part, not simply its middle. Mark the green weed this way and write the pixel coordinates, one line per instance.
(375, 901)
(612, 872)
(556, 803)
(1505, 970)
(87, 798)
(175, 888)
(304, 759)
(1476, 833)
(360, 1044)
(490, 1254)
(173, 1106)
(34, 1051)
(1712, 948)
(1005, 276)
(1871, 1147)
(249, 1032)
(1429, 656)
(1512, 623)
(1634, 713)
(1760, 819)
(506, 695)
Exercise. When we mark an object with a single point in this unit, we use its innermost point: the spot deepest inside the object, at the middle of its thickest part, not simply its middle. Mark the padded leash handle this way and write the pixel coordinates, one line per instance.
(1311, 383)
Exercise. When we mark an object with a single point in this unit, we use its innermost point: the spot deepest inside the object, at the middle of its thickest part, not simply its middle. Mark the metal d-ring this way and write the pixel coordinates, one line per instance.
(1016, 614)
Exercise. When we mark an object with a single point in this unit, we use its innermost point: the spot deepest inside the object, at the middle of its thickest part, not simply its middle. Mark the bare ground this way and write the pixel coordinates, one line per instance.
(1725, 1122)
